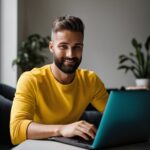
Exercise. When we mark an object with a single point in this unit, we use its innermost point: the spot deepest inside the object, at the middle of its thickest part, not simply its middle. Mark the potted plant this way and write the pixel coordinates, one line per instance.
(138, 62)
(30, 53)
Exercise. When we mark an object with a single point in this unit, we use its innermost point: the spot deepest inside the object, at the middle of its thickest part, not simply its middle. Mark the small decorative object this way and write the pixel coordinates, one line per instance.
(138, 62)
(30, 53)
(143, 82)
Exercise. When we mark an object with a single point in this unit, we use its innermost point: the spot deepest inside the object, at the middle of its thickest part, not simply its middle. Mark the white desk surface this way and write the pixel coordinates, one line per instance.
(51, 145)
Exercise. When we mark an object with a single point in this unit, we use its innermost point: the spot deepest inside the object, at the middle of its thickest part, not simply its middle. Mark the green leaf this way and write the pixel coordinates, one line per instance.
(134, 43)
(147, 43)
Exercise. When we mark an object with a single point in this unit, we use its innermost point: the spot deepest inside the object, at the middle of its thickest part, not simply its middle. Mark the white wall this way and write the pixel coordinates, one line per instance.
(8, 38)
(110, 26)
(0, 39)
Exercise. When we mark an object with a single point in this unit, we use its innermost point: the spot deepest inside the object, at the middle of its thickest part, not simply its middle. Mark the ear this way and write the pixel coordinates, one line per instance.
(51, 46)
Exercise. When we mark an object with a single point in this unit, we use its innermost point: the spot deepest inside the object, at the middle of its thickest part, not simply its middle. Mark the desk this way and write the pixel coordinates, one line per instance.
(51, 145)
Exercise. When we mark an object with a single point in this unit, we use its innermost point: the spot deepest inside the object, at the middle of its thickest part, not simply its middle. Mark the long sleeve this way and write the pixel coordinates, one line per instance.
(22, 109)
(100, 97)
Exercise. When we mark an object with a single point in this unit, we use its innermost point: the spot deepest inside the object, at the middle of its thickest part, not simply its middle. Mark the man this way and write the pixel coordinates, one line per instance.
(50, 100)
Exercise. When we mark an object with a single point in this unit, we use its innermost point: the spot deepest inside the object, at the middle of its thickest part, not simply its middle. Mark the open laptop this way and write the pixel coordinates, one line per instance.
(126, 120)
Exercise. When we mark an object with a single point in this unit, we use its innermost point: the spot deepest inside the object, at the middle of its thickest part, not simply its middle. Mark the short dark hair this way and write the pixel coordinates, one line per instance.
(71, 23)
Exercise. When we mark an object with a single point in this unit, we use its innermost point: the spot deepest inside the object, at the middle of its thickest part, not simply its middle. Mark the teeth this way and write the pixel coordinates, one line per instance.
(69, 60)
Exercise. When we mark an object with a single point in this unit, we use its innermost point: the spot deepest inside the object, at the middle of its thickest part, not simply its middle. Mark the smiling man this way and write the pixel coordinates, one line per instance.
(50, 100)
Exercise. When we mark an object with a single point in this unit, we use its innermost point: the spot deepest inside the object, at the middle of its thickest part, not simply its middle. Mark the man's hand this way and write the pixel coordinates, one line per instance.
(81, 128)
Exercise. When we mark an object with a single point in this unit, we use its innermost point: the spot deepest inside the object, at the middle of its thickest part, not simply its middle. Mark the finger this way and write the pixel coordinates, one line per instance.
(82, 134)
(88, 131)
(90, 126)
(87, 128)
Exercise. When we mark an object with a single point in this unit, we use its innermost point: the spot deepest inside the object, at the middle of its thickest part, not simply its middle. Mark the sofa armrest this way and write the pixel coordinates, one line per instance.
(7, 91)
(93, 117)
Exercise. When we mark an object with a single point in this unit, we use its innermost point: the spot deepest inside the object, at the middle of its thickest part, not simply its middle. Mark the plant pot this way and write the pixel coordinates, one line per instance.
(143, 83)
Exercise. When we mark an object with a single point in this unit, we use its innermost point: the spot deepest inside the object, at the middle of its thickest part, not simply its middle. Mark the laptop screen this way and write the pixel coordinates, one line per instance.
(126, 119)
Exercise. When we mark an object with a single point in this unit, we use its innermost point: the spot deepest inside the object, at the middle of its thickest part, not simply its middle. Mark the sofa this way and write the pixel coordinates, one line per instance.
(6, 97)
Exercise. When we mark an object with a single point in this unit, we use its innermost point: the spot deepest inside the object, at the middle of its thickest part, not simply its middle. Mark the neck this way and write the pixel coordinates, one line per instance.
(60, 76)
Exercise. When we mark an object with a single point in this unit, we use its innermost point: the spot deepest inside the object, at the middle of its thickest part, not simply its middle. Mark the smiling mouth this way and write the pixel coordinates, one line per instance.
(69, 61)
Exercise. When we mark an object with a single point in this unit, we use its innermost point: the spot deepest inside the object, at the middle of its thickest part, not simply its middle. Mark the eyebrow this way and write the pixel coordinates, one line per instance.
(65, 43)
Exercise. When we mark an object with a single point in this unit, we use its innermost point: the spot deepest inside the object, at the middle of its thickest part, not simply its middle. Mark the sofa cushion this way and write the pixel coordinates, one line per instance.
(5, 108)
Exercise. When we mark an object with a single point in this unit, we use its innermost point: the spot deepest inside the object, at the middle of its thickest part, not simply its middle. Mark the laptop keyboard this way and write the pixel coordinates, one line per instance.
(81, 140)
(73, 140)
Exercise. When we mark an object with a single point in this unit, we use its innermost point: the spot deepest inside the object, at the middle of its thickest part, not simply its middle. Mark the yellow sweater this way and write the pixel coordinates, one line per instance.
(42, 99)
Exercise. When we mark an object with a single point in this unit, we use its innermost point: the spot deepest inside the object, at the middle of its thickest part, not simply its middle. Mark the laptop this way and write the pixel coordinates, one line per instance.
(126, 120)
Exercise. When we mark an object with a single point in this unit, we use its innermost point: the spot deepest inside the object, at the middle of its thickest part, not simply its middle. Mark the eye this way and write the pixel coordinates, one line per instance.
(78, 47)
(63, 47)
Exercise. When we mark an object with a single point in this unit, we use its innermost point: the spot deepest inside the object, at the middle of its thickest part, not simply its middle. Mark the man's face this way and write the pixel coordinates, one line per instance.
(67, 47)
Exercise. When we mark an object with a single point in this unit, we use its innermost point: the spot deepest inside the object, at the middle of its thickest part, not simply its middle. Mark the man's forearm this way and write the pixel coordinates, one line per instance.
(79, 128)
(41, 131)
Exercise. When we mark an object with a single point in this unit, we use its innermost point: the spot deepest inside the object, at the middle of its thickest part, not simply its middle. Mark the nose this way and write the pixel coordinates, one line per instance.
(69, 52)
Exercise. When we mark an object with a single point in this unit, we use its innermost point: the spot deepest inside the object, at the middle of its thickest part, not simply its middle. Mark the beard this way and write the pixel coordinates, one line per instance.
(67, 68)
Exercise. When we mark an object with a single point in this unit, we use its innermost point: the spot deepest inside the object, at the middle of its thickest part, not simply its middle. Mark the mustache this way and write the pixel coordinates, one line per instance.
(71, 59)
